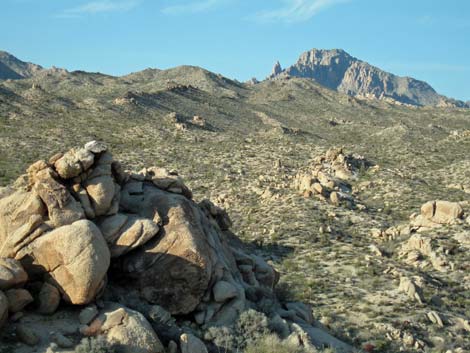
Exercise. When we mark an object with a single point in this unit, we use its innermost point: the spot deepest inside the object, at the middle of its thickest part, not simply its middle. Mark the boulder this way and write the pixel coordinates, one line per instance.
(62, 208)
(88, 314)
(442, 212)
(74, 162)
(100, 185)
(12, 274)
(167, 180)
(48, 299)
(15, 211)
(191, 344)
(223, 291)
(410, 288)
(18, 299)
(27, 335)
(129, 330)
(182, 249)
(75, 257)
(124, 233)
(435, 318)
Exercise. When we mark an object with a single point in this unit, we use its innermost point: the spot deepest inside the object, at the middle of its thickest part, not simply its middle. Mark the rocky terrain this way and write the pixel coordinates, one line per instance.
(13, 68)
(356, 208)
(338, 70)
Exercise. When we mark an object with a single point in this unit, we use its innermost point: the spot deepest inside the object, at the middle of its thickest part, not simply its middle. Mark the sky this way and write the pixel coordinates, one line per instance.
(240, 39)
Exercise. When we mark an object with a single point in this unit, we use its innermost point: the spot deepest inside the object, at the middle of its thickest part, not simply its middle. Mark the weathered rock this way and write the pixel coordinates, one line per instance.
(409, 287)
(159, 315)
(169, 181)
(18, 299)
(88, 314)
(48, 299)
(74, 162)
(16, 210)
(129, 330)
(435, 318)
(12, 274)
(75, 257)
(124, 233)
(223, 291)
(27, 335)
(62, 208)
(219, 214)
(442, 212)
(182, 250)
(62, 341)
(191, 344)
(301, 310)
(23, 236)
(172, 347)
(100, 185)
(95, 147)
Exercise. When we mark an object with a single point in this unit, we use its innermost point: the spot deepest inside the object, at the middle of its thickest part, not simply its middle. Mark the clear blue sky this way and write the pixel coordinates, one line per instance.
(425, 39)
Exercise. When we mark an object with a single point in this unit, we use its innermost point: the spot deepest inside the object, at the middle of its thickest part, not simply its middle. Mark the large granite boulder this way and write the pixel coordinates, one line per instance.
(75, 258)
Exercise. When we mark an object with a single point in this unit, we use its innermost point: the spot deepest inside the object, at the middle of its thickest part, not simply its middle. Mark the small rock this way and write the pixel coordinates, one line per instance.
(88, 314)
(191, 344)
(48, 299)
(62, 341)
(12, 274)
(18, 299)
(27, 335)
(172, 347)
(223, 291)
(435, 318)
(159, 315)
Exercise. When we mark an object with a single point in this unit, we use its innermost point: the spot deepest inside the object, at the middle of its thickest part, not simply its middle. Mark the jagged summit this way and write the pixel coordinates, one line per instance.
(338, 70)
(277, 69)
(13, 68)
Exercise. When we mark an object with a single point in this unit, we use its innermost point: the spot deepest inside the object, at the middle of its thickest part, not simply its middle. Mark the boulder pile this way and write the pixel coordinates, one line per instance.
(329, 175)
(78, 229)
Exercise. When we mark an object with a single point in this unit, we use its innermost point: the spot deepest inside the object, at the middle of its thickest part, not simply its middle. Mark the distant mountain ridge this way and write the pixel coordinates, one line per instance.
(15, 69)
(334, 69)
(337, 70)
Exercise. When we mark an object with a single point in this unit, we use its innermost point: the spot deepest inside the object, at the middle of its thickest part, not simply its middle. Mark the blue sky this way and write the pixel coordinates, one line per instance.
(425, 39)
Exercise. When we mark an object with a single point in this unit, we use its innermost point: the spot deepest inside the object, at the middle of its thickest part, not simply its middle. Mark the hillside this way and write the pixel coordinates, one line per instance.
(339, 71)
(15, 69)
(335, 223)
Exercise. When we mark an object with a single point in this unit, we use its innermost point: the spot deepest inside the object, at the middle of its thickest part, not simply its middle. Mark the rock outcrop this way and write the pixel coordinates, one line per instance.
(15, 69)
(327, 178)
(81, 227)
(339, 71)
(435, 214)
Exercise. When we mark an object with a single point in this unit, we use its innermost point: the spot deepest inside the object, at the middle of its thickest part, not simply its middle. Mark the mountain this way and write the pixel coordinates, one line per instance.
(262, 151)
(338, 70)
(15, 69)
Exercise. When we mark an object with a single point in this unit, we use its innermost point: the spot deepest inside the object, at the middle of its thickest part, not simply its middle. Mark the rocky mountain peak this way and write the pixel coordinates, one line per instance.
(13, 68)
(277, 68)
(338, 70)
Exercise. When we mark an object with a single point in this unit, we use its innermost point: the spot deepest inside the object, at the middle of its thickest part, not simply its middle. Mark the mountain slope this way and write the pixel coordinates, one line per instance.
(15, 69)
(340, 71)
(246, 149)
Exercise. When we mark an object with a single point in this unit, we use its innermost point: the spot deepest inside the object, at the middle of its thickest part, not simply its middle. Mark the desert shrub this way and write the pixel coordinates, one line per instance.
(272, 344)
(94, 345)
(222, 337)
(250, 327)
